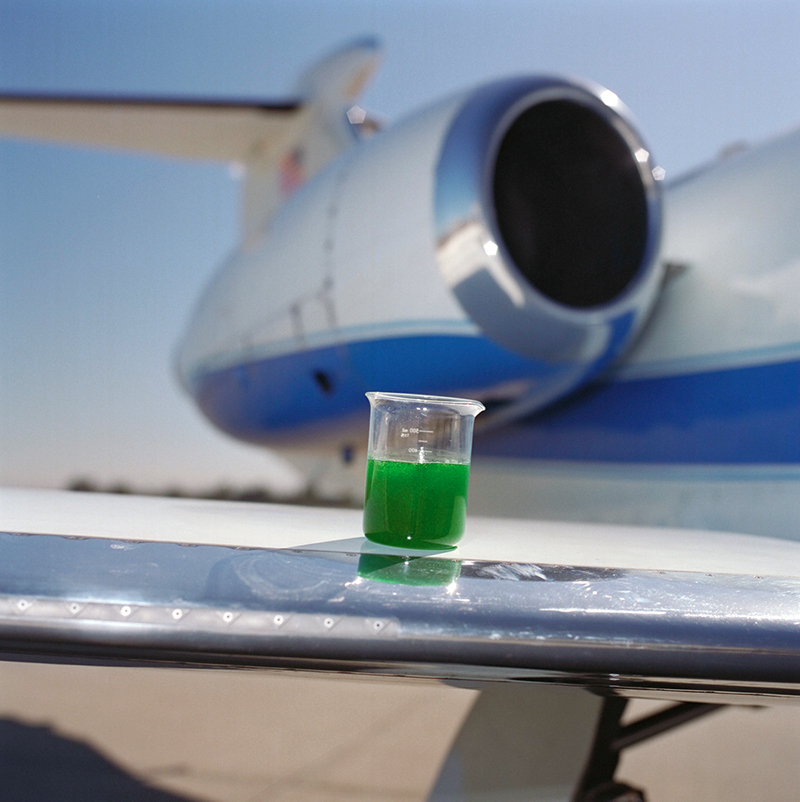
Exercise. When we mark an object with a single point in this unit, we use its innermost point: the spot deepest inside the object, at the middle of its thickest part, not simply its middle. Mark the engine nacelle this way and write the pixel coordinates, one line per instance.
(547, 219)
(501, 244)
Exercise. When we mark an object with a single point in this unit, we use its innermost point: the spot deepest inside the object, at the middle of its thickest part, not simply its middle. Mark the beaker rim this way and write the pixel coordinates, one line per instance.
(474, 406)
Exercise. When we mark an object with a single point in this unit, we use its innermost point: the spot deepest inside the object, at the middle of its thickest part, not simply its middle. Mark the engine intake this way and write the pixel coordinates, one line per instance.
(570, 204)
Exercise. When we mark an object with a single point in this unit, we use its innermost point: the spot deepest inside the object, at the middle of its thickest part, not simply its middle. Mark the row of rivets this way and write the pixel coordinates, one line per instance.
(178, 614)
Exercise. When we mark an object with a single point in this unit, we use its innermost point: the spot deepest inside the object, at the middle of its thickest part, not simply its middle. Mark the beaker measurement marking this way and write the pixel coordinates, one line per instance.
(414, 430)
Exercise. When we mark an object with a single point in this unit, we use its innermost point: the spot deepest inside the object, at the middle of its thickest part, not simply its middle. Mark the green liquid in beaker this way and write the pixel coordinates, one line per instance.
(418, 505)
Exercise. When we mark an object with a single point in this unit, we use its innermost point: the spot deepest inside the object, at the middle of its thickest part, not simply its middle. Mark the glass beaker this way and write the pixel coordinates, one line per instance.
(418, 460)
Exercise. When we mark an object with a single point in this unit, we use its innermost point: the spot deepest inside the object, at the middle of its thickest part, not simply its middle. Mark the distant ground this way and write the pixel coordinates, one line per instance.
(309, 496)
(248, 736)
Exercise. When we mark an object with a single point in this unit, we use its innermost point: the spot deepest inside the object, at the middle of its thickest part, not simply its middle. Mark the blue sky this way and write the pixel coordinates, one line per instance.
(102, 255)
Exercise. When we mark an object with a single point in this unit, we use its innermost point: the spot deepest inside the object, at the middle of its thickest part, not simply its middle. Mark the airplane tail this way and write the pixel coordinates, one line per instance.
(327, 93)
(279, 145)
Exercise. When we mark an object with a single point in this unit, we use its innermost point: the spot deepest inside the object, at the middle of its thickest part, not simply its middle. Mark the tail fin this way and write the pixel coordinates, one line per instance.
(327, 91)
(338, 80)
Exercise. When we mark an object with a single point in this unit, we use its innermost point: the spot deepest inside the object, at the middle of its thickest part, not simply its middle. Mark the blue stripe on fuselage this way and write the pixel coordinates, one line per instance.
(737, 415)
(262, 398)
(747, 414)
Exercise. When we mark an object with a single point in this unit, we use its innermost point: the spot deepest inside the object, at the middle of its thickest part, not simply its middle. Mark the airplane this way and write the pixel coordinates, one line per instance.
(504, 244)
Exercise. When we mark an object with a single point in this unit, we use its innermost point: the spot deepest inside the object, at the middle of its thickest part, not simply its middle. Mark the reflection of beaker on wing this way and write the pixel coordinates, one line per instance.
(418, 469)
(405, 570)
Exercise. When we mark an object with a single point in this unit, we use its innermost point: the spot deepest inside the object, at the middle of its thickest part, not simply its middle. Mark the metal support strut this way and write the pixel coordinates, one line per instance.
(597, 783)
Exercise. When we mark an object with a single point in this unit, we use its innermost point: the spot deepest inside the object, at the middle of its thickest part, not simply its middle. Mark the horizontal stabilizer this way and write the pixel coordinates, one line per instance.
(222, 131)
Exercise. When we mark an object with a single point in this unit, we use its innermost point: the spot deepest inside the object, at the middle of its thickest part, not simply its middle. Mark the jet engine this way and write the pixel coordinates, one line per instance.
(547, 218)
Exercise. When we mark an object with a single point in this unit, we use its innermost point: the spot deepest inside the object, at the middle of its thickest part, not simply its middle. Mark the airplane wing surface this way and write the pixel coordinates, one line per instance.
(177, 581)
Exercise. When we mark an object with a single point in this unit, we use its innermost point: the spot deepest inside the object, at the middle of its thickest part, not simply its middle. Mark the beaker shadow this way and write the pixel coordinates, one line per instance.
(389, 564)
